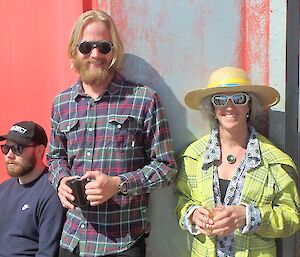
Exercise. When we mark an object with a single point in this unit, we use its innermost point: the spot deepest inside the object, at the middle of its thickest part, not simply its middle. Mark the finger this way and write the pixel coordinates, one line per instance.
(93, 198)
(198, 220)
(95, 203)
(68, 205)
(202, 211)
(63, 184)
(224, 222)
(93, 184)
(220, 215)
(93, 191)
(65, 203)
(91, 174)
(67, 194)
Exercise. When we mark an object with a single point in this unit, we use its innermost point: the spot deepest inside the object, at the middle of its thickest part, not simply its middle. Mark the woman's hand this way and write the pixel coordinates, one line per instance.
(201, 218)
(228, 219)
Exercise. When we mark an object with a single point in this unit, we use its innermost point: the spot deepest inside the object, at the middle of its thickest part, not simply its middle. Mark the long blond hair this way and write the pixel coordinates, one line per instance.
(77, 31)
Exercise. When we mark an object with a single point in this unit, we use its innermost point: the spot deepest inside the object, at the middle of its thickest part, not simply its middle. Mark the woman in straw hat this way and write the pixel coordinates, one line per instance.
(236, 190)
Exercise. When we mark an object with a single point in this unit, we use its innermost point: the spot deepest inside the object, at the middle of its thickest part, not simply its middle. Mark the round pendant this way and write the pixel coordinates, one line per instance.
(231, 159)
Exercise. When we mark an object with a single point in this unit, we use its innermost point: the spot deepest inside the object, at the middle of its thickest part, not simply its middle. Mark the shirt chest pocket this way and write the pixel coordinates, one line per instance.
(122, 132)
(70, 129)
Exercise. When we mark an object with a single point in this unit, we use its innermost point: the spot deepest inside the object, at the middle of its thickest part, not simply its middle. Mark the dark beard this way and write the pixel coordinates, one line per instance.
(92, 77)
(19, 170)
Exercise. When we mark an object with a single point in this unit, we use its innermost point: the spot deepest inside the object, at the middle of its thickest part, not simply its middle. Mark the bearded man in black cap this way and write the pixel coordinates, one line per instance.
(31, 213)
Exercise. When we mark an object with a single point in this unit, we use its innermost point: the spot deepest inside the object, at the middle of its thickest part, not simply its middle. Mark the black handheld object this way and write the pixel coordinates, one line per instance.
(78, 188)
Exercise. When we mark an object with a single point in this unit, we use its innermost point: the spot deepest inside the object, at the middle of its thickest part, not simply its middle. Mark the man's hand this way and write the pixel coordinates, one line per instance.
(101, 187)
(65, 193)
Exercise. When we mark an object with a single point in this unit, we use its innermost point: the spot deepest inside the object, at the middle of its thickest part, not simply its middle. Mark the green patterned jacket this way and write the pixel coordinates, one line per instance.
(270, 187)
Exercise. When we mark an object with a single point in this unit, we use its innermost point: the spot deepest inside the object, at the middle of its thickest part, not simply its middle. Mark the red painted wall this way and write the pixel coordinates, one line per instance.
(34, 65)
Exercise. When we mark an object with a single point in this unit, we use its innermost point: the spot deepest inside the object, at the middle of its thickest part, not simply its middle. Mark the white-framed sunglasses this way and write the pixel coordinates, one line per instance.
(238, 99)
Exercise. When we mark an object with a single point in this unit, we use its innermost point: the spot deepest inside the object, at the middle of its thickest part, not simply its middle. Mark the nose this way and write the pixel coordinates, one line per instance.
(95, 52)
(10, 154)
(230, 104)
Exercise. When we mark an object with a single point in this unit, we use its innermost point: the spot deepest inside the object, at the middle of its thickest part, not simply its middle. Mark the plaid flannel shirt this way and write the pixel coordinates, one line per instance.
(122, 133)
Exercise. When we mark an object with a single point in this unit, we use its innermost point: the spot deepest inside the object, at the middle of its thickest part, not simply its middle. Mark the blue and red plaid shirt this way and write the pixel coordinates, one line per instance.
(122, 133)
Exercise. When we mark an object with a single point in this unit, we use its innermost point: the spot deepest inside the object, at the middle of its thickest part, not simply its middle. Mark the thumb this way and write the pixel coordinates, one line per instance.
(91, 174)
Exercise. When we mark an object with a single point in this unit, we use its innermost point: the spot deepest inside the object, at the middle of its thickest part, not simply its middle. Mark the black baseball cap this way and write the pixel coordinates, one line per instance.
(26, 133)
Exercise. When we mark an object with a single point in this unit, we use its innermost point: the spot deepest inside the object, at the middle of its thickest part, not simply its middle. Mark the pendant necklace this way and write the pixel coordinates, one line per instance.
(231, 159)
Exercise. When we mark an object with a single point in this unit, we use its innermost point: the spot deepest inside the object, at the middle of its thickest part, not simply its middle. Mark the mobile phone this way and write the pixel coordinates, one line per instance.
(78, 188)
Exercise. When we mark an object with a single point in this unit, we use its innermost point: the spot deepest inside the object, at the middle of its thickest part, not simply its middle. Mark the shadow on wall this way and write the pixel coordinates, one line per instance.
(166, 238)
(138, 70)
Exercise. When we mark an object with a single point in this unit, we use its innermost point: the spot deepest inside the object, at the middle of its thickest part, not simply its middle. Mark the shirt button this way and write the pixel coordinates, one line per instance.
(82, 226)
(119, 126)
(88, 154)
(90, 129)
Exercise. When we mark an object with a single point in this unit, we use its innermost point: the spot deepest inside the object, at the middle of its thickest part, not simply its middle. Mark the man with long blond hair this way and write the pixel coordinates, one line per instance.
(110, 147)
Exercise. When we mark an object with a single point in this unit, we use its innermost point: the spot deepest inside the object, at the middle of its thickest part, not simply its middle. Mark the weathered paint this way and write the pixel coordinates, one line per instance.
(173, 46)
(253, 40)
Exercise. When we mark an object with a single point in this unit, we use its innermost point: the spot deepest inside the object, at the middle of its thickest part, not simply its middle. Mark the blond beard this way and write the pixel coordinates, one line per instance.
(92, 76)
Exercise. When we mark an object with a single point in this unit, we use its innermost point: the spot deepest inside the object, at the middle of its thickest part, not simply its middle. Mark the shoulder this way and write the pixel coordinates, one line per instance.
(139, 90)
(272, 154)
(7, 183)
(46, 192)
(129, 87)
(197, 148)
(138, 95)
(66, 94)
(44, 186)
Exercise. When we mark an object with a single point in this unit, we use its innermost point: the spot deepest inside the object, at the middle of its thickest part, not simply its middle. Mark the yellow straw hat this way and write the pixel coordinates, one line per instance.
(231, 79)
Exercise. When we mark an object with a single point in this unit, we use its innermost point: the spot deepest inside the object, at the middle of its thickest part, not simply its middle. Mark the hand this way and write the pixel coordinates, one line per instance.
(200, 218)
(65, 193)
(101, 187)
(228, 219)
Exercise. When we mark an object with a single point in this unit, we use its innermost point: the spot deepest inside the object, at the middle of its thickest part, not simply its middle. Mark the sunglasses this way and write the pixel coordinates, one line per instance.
(237, 99)
(16, 149)
(86, 47)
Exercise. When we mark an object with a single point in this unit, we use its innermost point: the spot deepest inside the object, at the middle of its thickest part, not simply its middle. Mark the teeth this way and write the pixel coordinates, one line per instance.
(230, 116)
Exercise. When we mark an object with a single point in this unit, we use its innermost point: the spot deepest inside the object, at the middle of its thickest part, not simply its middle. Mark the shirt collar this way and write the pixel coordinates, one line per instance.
(114, 87)
(213, 151)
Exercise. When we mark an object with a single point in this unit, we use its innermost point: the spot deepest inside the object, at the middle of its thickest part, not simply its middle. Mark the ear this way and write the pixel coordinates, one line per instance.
(40, 150)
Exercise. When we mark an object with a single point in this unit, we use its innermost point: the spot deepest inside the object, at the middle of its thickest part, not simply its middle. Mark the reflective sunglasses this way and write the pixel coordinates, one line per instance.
(16, 149)
(86, 47)
(237, 99)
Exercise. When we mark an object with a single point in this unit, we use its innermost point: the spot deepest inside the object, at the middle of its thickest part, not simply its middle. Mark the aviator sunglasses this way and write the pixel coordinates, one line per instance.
(86, 47)
(237, 99)
(16, 149)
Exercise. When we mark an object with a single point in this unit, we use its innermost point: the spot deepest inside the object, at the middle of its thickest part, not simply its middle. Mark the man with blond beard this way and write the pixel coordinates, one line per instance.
(113, 134)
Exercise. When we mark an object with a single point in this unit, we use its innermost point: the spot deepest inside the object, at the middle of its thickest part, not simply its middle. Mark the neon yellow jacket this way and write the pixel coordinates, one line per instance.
(270, 187)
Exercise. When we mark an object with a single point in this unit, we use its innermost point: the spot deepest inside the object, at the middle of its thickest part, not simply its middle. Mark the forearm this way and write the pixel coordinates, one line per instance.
(278, 221)
(152, 176)
(57, 158)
